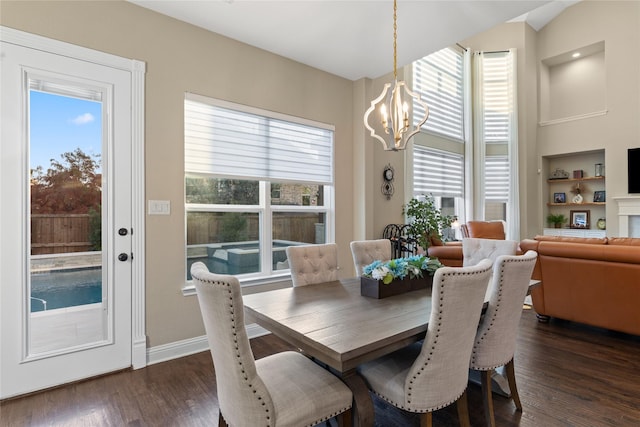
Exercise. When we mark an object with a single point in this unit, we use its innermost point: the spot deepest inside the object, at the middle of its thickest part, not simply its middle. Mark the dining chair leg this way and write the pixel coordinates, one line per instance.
(511, 377)
(344, 419)
(487, 398)
(463, 410)
(221, 421)
(426, 419)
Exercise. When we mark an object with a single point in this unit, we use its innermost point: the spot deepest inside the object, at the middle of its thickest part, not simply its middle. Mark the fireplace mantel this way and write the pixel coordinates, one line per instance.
(628, 206)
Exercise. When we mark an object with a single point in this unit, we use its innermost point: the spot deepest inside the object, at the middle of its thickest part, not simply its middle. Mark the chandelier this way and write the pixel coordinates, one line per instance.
(394, 109)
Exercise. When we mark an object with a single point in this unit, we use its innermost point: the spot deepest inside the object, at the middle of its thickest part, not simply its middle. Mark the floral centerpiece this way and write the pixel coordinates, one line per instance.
(400, 274)
(399, 268)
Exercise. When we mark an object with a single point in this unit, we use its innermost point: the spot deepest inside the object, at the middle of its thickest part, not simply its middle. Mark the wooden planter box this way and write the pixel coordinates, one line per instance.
(376, 289)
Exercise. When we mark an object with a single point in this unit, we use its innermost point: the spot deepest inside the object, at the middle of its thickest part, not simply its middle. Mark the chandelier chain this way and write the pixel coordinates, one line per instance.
(395, 38)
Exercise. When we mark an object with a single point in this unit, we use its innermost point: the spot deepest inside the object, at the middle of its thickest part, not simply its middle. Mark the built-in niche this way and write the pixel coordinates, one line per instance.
(573, 84)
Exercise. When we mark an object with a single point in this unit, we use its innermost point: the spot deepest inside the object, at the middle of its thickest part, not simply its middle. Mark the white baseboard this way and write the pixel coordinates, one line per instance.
(255, 331)
(174, 350)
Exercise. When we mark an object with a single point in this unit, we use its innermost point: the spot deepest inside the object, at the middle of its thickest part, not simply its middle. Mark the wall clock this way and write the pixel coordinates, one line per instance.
(602, 224)
(387, 181)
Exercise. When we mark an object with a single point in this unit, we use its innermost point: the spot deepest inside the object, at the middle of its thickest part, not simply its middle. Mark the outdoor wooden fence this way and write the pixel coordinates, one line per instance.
(55, 234)
(209, 228)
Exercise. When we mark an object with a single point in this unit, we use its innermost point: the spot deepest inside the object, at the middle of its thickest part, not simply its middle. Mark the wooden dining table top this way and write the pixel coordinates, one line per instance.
(333, 323)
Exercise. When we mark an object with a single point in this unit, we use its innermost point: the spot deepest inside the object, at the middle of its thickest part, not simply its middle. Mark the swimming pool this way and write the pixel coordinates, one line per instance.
(65, 288)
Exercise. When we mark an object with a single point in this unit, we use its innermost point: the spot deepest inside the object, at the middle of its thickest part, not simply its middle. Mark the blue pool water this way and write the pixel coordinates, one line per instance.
(66, 288)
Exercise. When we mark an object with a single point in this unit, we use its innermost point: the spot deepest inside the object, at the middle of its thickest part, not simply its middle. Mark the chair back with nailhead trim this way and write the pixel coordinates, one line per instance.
(440, 373)
(242, 395)
(495, 342)
(311, 264)
(364, 252)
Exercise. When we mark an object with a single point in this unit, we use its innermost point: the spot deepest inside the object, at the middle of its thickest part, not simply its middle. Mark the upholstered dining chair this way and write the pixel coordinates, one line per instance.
(284, 389)
(364, 252)
(495, 341)
(311, 264)
(432, 374)
(476, 249)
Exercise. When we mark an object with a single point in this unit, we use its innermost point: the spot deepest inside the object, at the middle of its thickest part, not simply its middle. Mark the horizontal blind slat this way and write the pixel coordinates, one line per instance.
(438, 78)
(226, 142)
(437, 172)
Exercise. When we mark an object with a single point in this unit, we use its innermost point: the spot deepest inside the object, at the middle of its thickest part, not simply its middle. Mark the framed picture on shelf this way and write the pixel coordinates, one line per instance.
(560, 198)
(579, 219)
(599, 196)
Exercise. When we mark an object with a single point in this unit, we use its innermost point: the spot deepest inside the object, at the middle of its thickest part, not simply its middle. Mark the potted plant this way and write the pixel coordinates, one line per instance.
(426, 220)
(556, 220)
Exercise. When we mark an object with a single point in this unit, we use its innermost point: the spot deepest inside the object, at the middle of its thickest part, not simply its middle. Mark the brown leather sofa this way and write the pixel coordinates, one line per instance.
(450, 253)
(588, 280)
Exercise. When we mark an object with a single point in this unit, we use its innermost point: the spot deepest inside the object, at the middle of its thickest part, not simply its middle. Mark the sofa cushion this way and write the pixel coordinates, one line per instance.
(624, 241)
(566, 239)
(485, 229)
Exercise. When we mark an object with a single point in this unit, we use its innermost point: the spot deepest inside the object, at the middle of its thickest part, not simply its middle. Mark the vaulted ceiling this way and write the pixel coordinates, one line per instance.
(353, 39)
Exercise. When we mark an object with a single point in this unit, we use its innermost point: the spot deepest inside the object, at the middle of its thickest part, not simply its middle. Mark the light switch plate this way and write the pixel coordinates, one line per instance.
(159, 207)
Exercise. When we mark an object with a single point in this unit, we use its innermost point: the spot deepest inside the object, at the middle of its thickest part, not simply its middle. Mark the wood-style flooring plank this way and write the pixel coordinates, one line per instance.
(568, 375)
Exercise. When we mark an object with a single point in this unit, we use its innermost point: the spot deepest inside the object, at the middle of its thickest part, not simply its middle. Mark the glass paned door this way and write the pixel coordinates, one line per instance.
(67, 301)
(65, 184)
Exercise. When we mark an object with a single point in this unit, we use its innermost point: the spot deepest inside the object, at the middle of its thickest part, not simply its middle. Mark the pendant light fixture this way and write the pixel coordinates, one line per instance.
(394, 107)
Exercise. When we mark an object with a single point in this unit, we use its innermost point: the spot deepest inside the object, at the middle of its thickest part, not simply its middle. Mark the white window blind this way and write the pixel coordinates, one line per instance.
(438, 78)
(497, 97)
(437, 172)
(495, 103)
(235, 143)
(50, 85)
(496, 179)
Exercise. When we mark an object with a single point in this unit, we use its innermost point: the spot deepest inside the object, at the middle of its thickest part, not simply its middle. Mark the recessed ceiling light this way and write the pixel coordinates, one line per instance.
(575, 55)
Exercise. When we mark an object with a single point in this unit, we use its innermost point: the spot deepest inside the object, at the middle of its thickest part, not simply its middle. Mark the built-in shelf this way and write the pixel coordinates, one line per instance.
(588, 178)
(559, 192)
(578, 204)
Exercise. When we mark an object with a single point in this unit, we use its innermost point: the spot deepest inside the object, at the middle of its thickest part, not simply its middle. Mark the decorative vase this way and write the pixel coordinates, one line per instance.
(377, 289)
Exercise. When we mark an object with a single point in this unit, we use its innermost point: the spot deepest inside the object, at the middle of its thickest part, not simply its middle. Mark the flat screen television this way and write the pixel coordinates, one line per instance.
(634, 170)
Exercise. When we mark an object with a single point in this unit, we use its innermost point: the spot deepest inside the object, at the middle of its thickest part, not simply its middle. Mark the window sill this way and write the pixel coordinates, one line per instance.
(251, 285)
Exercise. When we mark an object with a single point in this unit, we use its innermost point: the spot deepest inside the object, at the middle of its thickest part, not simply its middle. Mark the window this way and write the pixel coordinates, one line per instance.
(255, 183)
(483, 172)
(496, 187)
(438, 78)
(437, 172)
(496, 137)
(438, 154)
(440, 174)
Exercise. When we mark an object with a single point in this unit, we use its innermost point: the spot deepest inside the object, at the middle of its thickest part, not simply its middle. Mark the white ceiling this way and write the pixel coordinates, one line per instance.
(353, 39)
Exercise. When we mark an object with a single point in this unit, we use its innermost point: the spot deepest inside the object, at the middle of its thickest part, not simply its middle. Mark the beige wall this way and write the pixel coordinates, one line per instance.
(182, 58)
(618, 25)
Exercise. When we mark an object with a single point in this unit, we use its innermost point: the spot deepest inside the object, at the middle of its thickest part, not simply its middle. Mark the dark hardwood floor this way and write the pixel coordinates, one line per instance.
(568, 375)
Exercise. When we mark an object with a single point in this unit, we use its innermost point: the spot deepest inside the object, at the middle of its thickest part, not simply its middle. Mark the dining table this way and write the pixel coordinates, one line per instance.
(338, 327)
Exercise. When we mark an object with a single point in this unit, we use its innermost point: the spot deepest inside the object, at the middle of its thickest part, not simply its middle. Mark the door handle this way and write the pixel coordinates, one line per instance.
(123, 257)
(122, 231)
